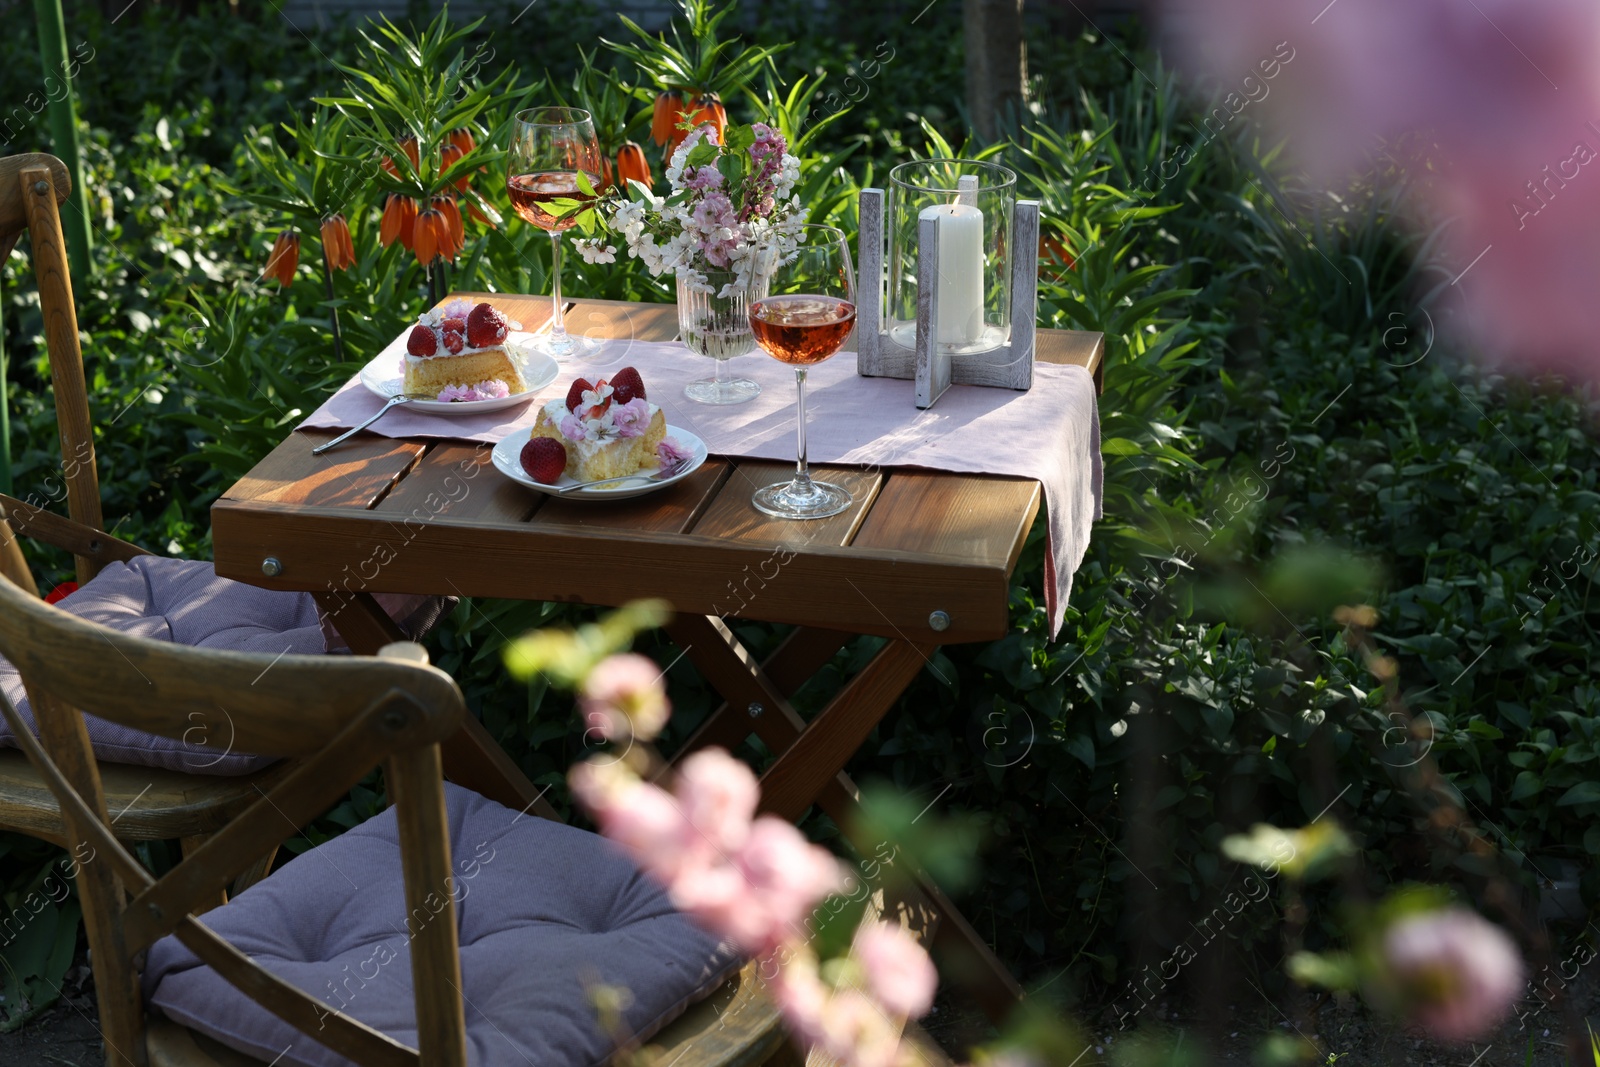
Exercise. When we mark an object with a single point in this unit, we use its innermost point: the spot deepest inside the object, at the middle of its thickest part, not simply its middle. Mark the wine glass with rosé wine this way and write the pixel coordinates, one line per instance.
(808, 312)
(554, 156)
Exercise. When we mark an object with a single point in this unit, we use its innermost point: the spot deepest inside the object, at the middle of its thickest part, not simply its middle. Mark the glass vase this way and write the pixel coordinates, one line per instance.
(719, 326)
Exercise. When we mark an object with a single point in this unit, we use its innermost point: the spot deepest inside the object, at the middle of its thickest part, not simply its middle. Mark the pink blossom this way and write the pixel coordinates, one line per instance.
(572, 427)
(715, 212)
(856, 1032)
(1458, 973)
(457, 394)
(787, 877)
(704, 179)
(899, 972)
(670, 452)
(1503, 92)
(493, 389)
(644, 819)
(624, 697)
(719, 795)
(631, 419)
(801, 995)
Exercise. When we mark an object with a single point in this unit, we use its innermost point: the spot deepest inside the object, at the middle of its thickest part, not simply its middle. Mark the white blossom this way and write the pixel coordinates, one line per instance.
(590, 250)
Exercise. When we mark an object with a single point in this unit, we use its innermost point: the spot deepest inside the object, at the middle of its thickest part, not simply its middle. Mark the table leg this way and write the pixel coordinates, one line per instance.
(471, 756)
(734, 673)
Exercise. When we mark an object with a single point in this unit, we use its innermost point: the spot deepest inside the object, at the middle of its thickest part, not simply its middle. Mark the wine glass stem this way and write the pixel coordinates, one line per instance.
(722, 374)
(558, 320)
(802, 476)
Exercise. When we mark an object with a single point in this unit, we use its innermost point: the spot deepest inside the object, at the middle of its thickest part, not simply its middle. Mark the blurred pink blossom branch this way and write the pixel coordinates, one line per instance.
(1503, 96)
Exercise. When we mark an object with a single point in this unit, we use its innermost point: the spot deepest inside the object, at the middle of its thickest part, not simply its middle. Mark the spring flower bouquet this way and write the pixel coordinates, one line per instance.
(729, 203)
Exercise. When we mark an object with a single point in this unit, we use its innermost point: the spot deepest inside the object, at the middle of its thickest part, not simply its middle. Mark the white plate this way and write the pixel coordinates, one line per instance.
(508, 461)
(382, 376)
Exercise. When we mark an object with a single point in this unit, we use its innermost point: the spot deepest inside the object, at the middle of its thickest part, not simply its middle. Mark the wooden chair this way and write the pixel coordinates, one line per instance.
(154, 804)
(333, 718)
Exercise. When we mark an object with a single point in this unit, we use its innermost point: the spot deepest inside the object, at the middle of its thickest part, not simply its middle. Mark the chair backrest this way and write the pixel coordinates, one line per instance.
(33, 186)
(339, 715)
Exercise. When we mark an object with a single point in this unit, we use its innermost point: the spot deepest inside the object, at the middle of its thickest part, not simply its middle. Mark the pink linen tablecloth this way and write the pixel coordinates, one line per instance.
(1050, 433)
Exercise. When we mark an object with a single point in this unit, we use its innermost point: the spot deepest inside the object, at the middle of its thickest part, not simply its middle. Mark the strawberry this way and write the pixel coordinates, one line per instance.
(459, 325)
(486, 326)
(545, 459)
(422, 342)
(454, 341)
(626, 385)
(575, 393)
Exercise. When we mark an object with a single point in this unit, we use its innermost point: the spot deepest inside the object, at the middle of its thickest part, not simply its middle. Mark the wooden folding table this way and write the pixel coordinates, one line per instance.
(921, 558)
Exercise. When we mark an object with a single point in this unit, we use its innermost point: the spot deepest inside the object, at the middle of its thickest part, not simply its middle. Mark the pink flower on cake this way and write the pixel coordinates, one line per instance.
(633, 418)
(493, 389)
(670, 453)
(456, 394)
(573, 428)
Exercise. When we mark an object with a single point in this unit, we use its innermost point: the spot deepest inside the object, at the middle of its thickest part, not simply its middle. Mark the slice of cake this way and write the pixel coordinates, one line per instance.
(458, 352)
(608, 428)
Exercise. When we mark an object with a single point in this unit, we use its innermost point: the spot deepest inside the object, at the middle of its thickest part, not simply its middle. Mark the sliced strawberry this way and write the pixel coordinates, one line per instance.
(454, 341)
(627, 385)
(545, 459)
(575, 393)
(459, 325)
(423, 341)
(486, 326)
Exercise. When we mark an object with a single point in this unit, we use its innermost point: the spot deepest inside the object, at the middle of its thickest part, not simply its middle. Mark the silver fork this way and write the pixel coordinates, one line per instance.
(659, 476)
(394, 401)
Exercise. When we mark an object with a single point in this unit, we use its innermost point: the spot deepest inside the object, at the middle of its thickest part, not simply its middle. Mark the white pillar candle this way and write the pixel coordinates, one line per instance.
(960, 281)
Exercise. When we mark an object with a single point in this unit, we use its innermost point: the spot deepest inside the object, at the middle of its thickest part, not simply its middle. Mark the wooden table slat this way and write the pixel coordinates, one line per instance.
(357, 474)
(732, 517)
(983, 518)
(457, 480)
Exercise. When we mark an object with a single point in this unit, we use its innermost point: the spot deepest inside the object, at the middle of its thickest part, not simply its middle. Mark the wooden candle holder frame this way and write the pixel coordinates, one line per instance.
(1010, 366)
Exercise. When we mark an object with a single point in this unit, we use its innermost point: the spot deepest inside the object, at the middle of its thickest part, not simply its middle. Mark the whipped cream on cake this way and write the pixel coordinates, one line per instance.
(458, 353)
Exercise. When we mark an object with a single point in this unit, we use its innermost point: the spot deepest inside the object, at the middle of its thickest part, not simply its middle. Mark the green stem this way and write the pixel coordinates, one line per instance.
(333, 310)
(64, 130)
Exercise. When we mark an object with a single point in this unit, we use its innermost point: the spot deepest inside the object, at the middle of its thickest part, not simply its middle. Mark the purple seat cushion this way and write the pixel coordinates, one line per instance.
(182, 601)
(543, 911)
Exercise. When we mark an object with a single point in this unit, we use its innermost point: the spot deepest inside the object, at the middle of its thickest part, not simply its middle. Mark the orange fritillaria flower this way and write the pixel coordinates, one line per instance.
(707, 107)
(431, 236)
(284, 259)
(632, 165)
(408, 145)
(399, 221)
(461, 138)
(449, 155)
(336, 244)
(446, 207)
(664, 117)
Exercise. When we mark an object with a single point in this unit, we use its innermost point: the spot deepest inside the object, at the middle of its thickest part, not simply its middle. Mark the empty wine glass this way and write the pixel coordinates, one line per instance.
(550, 147)
(808, 311)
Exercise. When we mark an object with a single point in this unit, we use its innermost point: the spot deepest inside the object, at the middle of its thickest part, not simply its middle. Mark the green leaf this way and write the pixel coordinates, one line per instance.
(585, 186)
(1582, 793)
(701, 154)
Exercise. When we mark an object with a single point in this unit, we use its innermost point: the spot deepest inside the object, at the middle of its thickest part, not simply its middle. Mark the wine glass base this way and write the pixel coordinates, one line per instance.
(789, 500)
(732, 391)
(562, 347)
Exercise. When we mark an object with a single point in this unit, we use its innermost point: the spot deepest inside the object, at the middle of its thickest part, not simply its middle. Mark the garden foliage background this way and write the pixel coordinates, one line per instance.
(1274, 396)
